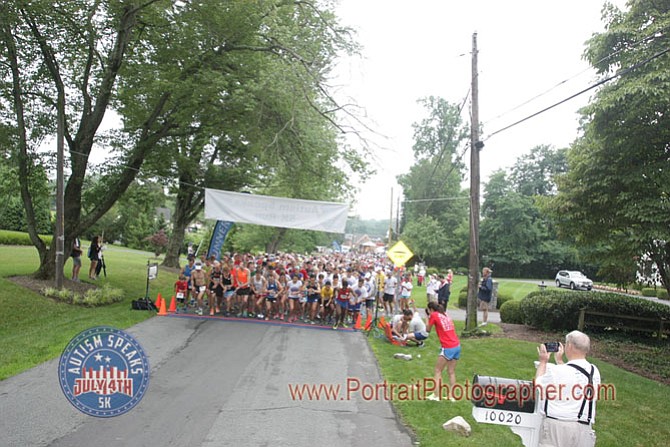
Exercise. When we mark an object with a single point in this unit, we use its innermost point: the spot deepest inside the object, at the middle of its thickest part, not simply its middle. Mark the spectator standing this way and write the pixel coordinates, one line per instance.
(568, 420)
(443, 293)
(94, 256)
(484, 294)
(390, 285)
(76, 259)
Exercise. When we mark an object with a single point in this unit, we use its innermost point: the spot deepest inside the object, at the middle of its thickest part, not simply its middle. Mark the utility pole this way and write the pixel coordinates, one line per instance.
(475, 147)
(391, 220)
(397, 216)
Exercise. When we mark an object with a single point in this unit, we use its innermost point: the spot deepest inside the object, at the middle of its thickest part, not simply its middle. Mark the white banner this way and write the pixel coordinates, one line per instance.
(275, 211)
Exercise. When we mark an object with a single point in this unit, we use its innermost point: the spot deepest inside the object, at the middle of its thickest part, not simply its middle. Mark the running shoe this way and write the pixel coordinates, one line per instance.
(199, 311)
(245, 314)
(218, 310)
(335, 326)
(211, 312)
(433, 397)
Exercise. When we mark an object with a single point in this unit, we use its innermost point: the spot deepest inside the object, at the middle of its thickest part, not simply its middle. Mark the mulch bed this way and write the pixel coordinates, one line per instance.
(525, 333)
(37, 285)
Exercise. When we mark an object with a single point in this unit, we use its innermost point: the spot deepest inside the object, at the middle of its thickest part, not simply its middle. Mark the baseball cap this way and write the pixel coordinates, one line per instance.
(198, 266)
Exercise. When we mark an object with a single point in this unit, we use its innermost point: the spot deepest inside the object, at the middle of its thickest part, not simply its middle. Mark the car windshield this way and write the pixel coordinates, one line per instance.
(578, 274)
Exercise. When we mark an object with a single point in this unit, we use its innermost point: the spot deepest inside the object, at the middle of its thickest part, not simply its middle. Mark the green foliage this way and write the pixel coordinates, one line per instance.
(502, 298)
(12, 212)
(437, 229)
(463, 298)
(19, 238)
(613, 200)
(559, 310)
(517, 236)
(510, 312)
(92, 298)
(662, 294)
(648, 291)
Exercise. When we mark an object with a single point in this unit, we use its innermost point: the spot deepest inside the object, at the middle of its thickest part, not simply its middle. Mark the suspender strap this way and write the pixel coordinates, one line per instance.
(588, 392)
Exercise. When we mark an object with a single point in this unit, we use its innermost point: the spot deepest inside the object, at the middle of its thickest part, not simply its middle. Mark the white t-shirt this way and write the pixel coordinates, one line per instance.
(406, 289)
(566, 395)
(432, 286)
(390, 285)
(417, 324)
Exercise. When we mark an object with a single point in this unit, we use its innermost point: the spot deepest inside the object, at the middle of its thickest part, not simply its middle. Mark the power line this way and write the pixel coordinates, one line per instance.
(603, 59)
(597, 84)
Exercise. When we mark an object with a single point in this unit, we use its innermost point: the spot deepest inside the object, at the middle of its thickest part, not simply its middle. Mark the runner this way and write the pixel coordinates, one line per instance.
(259, 289)
(294, 289)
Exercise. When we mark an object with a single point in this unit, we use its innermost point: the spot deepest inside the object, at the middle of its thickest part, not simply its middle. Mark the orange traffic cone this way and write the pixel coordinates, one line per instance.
(368, 322)
(357, 326)
(162, 311)
(173, 305)
(159, 299)
(381, 323)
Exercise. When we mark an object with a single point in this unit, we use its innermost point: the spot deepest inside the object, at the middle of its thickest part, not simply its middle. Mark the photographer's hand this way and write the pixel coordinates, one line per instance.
(543, 357)
(558, 356)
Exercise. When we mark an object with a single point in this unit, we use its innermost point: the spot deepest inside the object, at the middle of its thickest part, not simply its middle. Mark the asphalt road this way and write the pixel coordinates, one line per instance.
(216, 383)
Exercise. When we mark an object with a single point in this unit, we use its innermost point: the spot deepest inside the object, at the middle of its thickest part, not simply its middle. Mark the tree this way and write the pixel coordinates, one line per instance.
(432, 185)
(517, 235)
(69, 58)
(615, 197)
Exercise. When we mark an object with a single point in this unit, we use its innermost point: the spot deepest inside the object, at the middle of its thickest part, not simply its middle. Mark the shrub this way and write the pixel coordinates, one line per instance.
(92, 298)
(19, 238)
(432, 271)
(502, 299)
(648, 291)
(463, 298)
(510, 312)
(559, 310)
(662, 294)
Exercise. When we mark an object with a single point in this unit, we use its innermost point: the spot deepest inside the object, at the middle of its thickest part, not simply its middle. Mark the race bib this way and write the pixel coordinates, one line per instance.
(202, 288)
(180, 294)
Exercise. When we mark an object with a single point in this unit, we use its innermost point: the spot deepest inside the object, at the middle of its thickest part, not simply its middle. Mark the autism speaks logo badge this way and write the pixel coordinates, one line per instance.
(104, 372)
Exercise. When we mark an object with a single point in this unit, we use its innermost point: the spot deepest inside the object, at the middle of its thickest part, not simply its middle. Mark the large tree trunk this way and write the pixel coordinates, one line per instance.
(273, 244)
(188, 204)
(176, 241)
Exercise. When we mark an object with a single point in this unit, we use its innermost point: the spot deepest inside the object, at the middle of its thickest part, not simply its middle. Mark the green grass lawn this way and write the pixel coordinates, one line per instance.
(637, 417)
(34, 329)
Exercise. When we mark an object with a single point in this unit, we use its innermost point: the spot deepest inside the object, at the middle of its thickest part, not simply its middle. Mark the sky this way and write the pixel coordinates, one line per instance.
(527, 49)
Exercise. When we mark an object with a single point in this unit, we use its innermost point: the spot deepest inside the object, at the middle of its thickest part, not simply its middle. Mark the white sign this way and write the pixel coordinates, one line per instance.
(275, 211)
(153, 271)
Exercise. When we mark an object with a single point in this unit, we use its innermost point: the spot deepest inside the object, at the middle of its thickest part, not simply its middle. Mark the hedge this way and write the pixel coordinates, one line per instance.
(662, 294)
(8, 237)
(648, 291)
(463, 298)
(510, 312)
(502, 299)
(559, 310)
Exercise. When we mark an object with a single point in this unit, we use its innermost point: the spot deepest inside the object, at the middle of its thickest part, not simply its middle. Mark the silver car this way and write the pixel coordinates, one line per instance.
(573, 279)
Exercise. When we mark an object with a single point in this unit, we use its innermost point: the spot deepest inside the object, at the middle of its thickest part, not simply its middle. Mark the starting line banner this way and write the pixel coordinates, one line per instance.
(270, 211)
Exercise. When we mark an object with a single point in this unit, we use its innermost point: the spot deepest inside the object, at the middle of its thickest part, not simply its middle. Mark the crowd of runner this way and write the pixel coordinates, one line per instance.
(325, 289)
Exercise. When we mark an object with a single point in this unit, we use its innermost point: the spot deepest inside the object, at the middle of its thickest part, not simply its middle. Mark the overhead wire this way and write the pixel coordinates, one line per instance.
(619, 73)
(603, 59)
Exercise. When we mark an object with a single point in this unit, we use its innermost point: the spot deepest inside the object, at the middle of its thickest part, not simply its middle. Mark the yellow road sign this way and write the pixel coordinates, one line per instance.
(399, 254)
